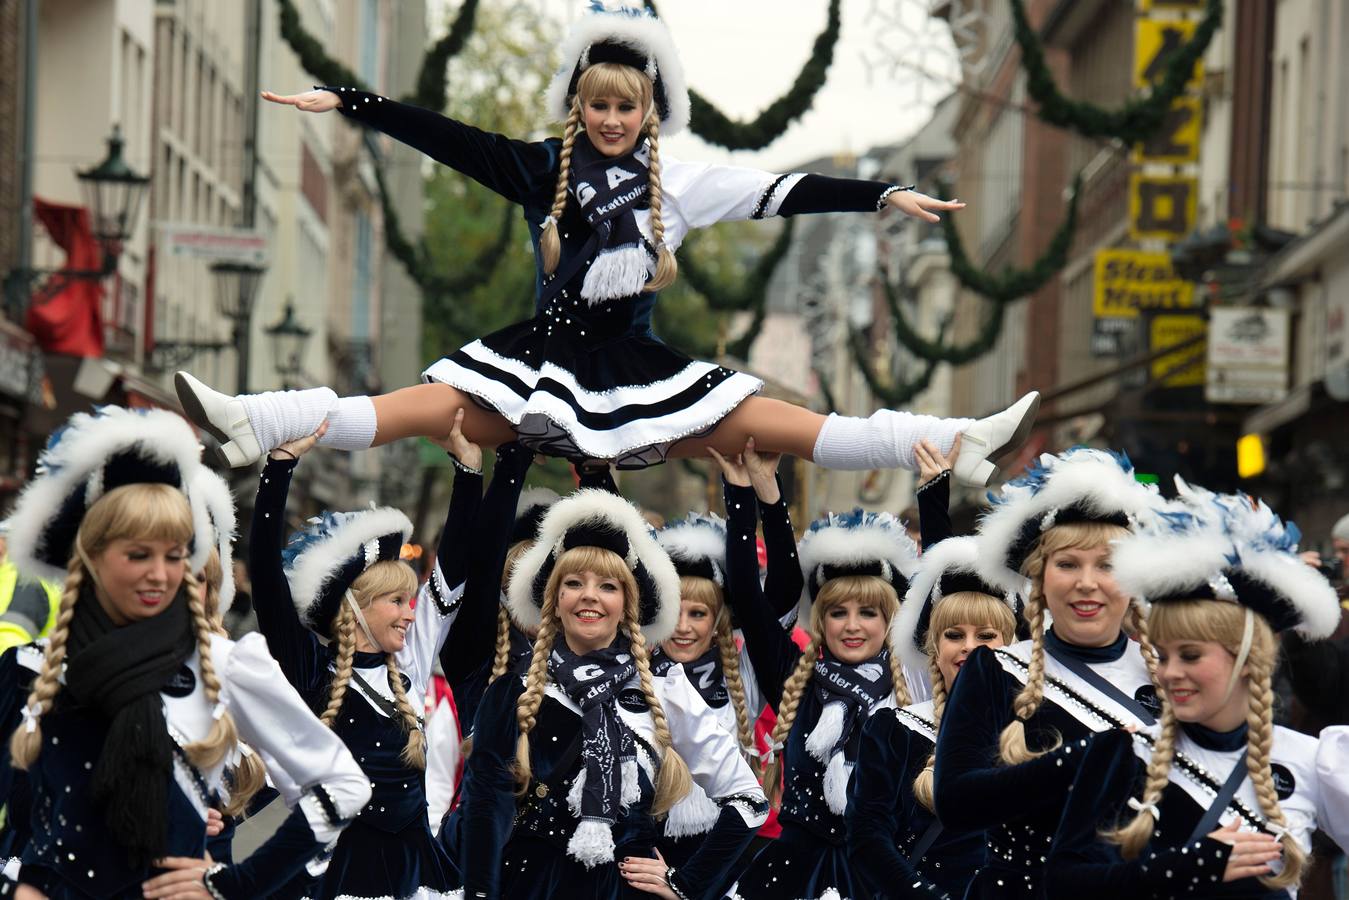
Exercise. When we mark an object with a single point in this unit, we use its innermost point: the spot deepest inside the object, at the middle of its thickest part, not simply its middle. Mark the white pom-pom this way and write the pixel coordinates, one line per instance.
(631, 790)
(616, 274)
(574, 795)
(695, 814)
(593, 843)
(836, 783)
(822, 738)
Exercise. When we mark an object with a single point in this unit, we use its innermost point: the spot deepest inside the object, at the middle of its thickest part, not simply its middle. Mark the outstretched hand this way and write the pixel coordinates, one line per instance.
(732, 468)
(460, 447)
(300, 446)
(931, 461)
(309, 101)
(763, 472)
(921, 206)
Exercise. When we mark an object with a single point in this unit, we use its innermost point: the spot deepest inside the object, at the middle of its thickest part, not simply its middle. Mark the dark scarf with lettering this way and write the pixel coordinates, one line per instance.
(704, 673)
(118, 672)
(608, 779)
(847, 694)
(609, 190)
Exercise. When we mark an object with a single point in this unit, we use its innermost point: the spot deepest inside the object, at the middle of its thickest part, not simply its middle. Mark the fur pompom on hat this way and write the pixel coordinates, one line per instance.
(596, 518)
(630, 36)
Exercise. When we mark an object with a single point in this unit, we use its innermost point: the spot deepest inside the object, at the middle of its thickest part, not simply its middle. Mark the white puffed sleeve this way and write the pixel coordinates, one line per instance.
(430, 624)
(710, 751)
(308, 763)
(704, 194)
(1332, 775)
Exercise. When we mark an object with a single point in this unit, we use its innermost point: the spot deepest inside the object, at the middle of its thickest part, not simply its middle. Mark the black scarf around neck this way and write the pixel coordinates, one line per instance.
(118, 671)
(704, 673)
(609, 189)
(856, 687)
(592, 682)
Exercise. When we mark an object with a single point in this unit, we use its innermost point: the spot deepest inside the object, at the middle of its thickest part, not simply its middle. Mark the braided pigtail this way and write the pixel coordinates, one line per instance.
(1134, 836)
(1259, 743)
(901, 684)
(792, 690)
(1138, 621)
(666, 267)
(672, 780)
(25, 745)
(501, 662)
(922, 783)
(735, 686)
(1012, 743)
(223, 736)
(527, 708)
(414, 752)
(247, 778)
(344, 635)
(550, 245)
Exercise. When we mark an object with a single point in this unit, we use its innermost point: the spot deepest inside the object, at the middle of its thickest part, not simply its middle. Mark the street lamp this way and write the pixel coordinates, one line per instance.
(289, 338)
(236, 289)
(113, 193)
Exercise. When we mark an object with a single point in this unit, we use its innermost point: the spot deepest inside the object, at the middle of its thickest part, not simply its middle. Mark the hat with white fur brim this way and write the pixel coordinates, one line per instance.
(632, 37)
(1081, 485)
(324, 560)
(596, 518)
(213, 492)
(946, 568)
(90, 456)
(855, 543)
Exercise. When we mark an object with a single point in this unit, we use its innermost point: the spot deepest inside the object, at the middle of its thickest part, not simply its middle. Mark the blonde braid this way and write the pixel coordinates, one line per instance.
(24, 746)
(922, 782)
(414, 753)
(666, 267)
(344, 634)
(223, 736)
(735, 686)
(672, 780)
(550, 245)
(792, 690)
(527, 707)
(1133, 837)
(501, 663)
(1012, 743)
(901, 684)
(1138, 621)
(1259, 744)
(249, 777)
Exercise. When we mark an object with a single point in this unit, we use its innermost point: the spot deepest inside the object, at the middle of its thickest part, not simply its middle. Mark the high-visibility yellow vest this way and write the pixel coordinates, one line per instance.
(23, 626)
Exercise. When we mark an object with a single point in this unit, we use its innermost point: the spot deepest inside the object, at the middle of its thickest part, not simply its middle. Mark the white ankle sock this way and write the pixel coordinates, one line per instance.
(351, 424)
(884, 440)
(281, 416)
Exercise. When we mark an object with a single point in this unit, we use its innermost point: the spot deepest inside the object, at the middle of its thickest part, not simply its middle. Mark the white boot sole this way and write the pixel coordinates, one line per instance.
(221, 416)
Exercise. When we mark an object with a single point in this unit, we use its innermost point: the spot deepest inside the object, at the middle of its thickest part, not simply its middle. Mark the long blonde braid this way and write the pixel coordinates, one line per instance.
(899, 682)
(922, 782)
(1138, 621)
(414, 752)
(1012, 745)
(1134, 836)
(1259, 743)
(501, 663)
(550, 245)
(223, 736)
(792, 690)
(735, 686)
(666, 267)
(344, 634)
(672, 780)
(25, 745)
(527, 708)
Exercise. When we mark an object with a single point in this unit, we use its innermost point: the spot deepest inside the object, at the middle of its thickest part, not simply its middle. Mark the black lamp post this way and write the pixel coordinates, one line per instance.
(113, 192)
(289, 338)
(236, 290)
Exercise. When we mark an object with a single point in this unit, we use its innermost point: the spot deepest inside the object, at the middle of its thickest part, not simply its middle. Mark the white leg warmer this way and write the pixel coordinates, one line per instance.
(884, 440)
(281, 416)
(351, 424)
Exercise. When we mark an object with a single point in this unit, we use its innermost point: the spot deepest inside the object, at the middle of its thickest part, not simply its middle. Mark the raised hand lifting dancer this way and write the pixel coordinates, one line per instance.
(585, 377)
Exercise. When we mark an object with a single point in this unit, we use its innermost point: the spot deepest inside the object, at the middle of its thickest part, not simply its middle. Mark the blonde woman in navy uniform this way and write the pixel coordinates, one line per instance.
(1215, 800)
(137, 711)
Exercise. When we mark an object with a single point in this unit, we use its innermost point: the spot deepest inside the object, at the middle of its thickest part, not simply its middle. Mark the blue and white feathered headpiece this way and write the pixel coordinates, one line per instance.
(90, 455)
(632, 37)
(1079, 485)
(1229, 547)
(856, 543)
(949, 567)
(324, 559)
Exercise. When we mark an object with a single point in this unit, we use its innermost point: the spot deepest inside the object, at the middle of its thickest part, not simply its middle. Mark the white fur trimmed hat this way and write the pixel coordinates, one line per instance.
(323, 560)
(213, 492)
(1227, 547)
(631, 37)
(90, 455)
(596, 518)
(697, 546)
(529, 510)
(857, 543)
(1079, 485)
(949, 567)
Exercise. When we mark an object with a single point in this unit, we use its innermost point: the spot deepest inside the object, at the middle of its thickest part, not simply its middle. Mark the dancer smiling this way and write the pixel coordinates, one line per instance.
(586, 377)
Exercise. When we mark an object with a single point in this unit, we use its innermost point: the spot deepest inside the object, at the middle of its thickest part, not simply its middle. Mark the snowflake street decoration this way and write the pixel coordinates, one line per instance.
(926, 46)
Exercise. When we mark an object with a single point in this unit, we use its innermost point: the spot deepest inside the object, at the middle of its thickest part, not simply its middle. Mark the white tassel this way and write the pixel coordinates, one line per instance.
(695, 814)
(631, 789)
(822, 738)
(830, 894)
(592, 844)
(836, 783)
(616, 274)
(574, 795)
